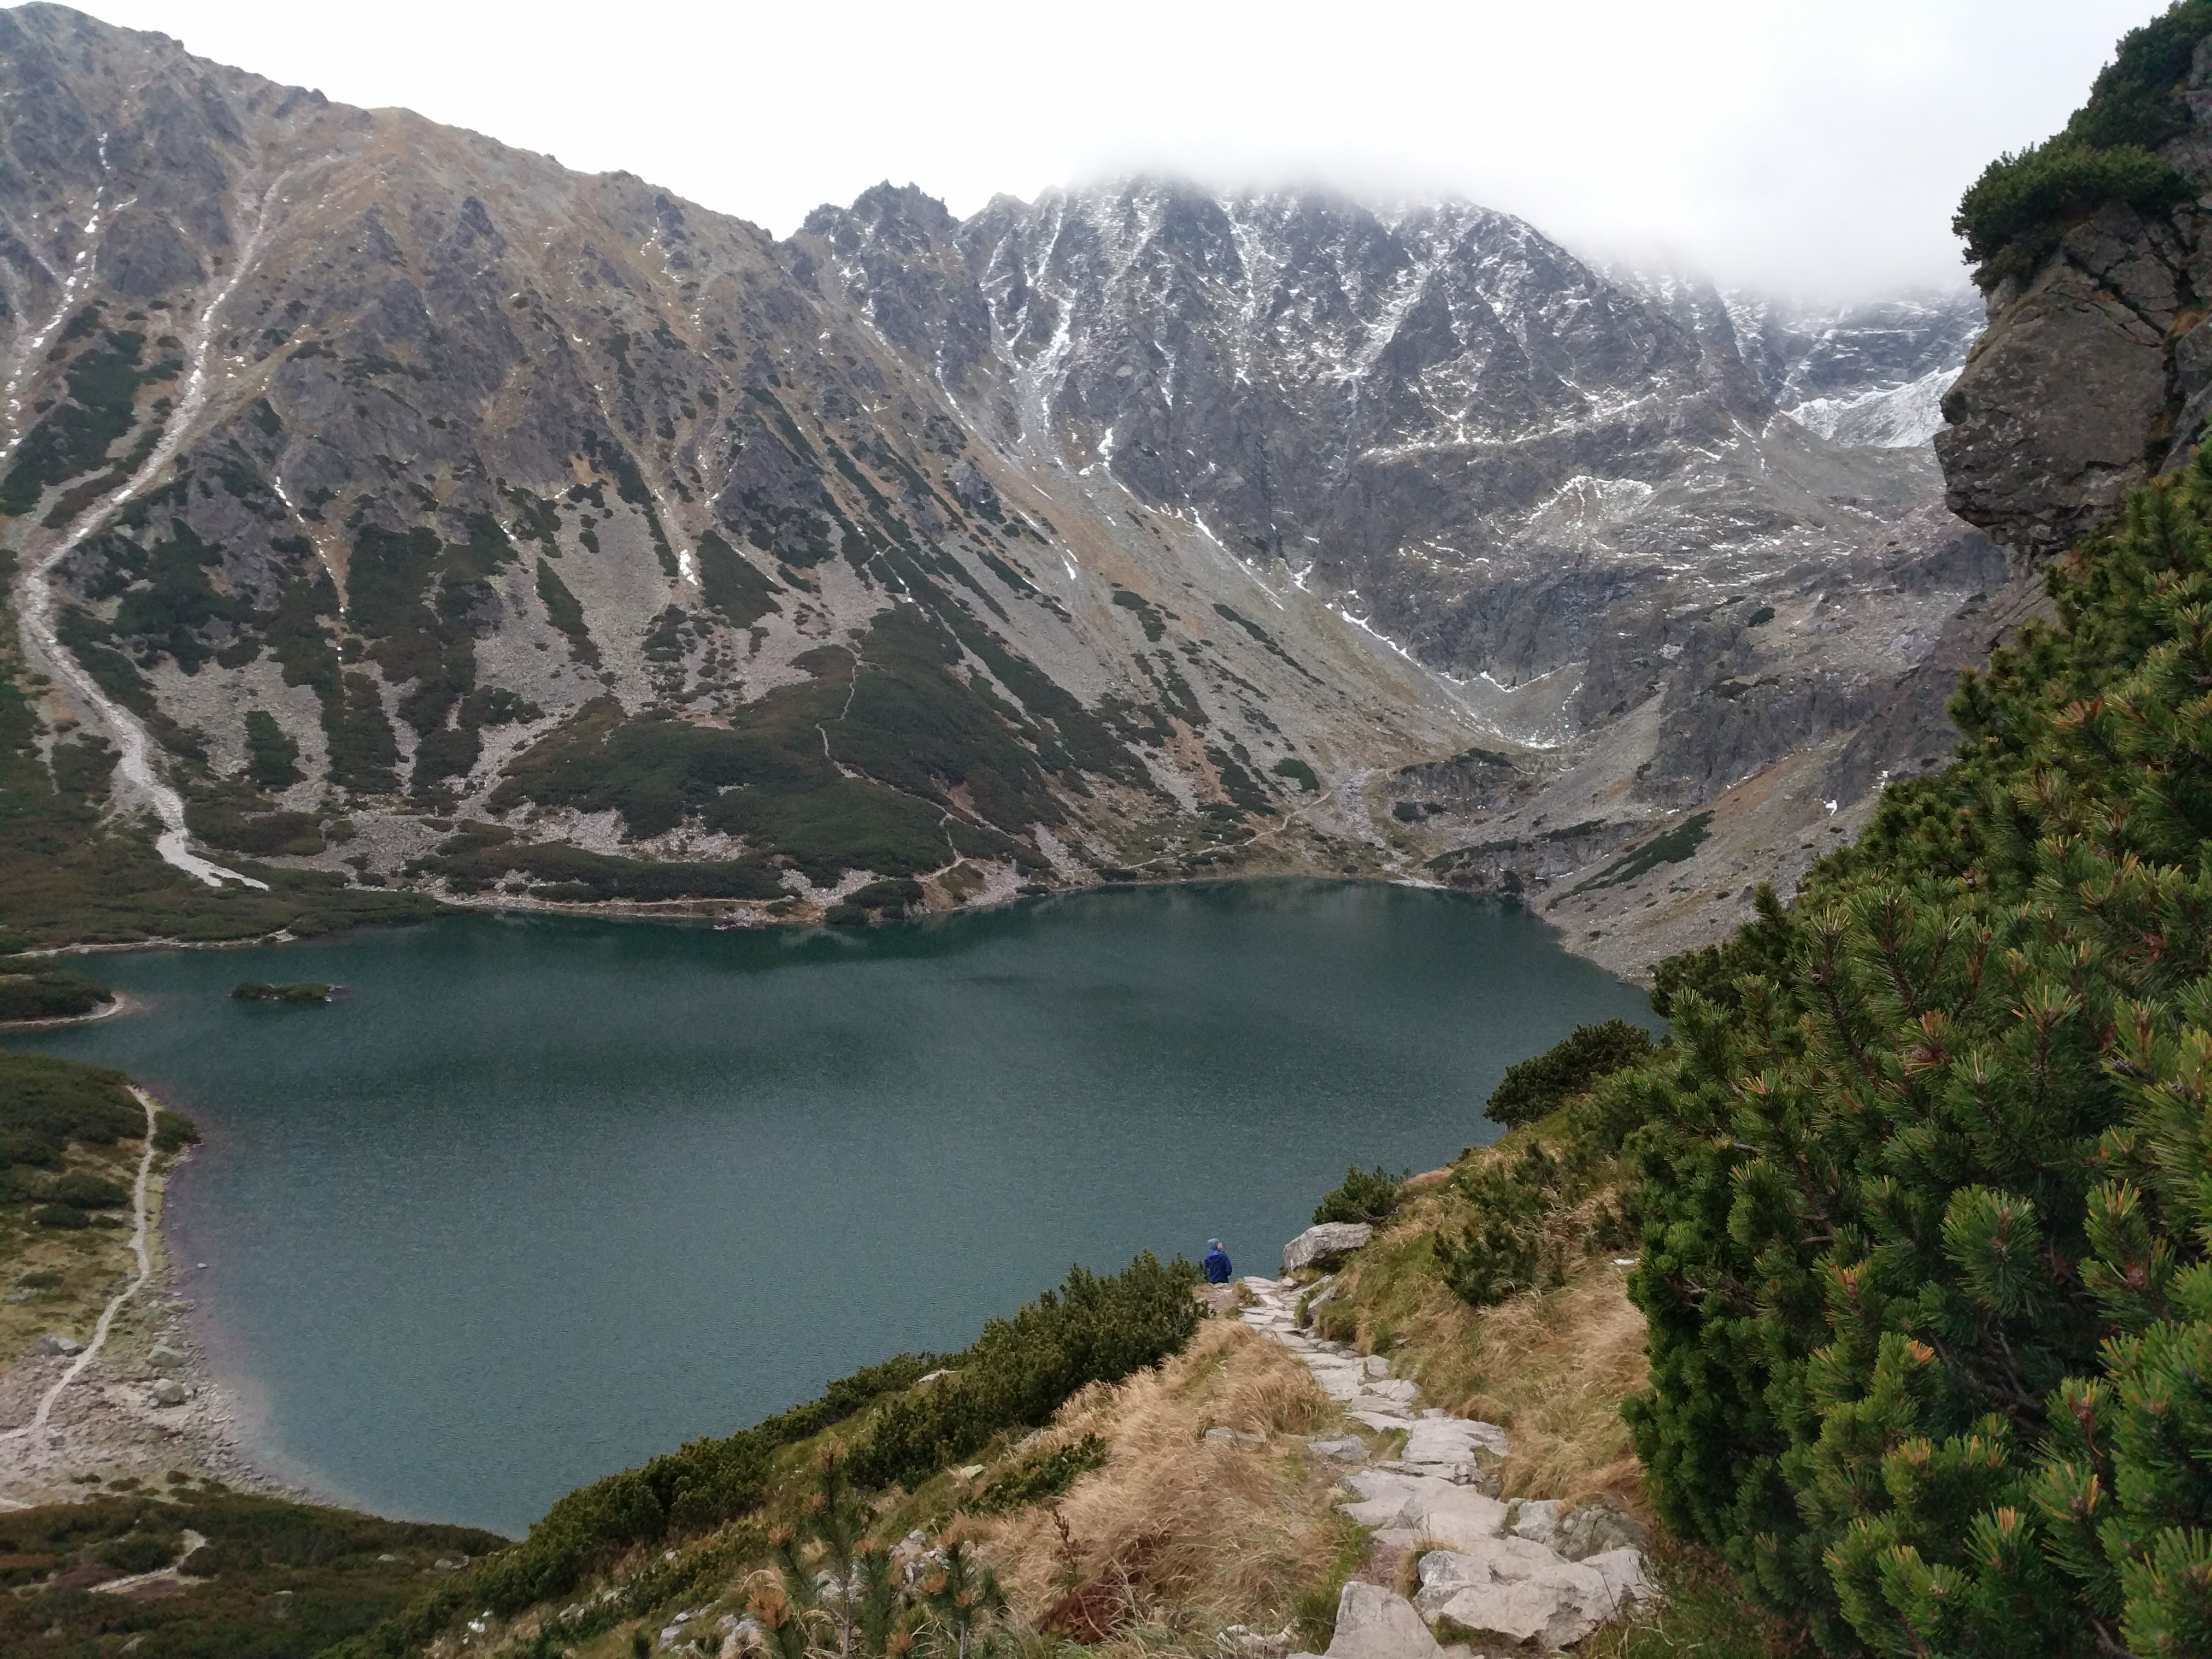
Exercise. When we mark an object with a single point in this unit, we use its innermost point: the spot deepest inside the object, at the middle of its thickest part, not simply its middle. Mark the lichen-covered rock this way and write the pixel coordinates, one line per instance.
(1597, 1530)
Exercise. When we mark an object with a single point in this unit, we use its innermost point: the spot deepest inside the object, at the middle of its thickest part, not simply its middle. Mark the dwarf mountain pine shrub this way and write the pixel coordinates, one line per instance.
(1093, 1329)
(1369, 1195)
(1927, 1176)
(1537, 1087)
(2011, 218)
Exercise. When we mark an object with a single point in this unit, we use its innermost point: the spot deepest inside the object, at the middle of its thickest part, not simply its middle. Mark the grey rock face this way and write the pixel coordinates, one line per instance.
(2080, 389)
(1326, 1243)
(2050, 422)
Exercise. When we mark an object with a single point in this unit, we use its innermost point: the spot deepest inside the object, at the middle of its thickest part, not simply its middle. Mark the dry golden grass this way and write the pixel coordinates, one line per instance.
(1552, 1368)
(1189, 1536)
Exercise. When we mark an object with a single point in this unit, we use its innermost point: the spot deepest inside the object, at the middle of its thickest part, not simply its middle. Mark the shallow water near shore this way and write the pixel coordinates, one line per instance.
(547, 1196)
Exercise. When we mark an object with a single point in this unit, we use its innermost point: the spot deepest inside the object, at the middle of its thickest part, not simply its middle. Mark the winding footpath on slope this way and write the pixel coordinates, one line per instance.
(1525, 1572)
(135, 765)
(115, 1304)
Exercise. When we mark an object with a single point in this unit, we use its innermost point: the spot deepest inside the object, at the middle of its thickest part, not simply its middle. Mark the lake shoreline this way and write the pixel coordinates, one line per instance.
(508, 1220)
(717, 913)
(108, 1425)
(116, 1004)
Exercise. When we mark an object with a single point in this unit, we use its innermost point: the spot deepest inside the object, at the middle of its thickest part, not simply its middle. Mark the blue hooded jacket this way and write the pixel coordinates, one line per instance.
(1216, 1264)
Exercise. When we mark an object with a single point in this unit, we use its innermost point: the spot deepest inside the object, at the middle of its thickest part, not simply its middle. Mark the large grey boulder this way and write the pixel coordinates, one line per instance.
(167, 1392)
(54, 1342)
(1325, 1243)
(2050, 418)
(1537, 1520)
(1513, 1589)
(1456, 1516)
(1451, 1448)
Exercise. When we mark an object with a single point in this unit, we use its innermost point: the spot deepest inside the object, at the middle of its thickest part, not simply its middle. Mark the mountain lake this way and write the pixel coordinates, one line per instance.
(545, 1196)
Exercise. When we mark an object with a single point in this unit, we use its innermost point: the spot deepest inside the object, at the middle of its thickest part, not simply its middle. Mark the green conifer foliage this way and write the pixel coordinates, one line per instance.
(1927, 1175)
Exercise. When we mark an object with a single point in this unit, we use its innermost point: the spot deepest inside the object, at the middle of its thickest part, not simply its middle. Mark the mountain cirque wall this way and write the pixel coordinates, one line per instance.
(540, 532)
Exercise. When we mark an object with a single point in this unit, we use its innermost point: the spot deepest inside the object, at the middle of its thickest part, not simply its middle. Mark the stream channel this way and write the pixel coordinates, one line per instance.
(546, 1196)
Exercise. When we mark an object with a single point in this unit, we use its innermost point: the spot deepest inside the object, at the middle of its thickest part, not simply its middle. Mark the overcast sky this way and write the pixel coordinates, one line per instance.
(1802, 145)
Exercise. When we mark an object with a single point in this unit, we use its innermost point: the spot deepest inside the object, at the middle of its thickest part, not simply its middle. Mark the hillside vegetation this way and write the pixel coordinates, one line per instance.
(1923, 1176)
(2013, 218)
(70, 1144)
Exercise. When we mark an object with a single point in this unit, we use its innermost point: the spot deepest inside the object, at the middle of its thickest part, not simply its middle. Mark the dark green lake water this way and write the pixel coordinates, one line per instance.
(547, 1196)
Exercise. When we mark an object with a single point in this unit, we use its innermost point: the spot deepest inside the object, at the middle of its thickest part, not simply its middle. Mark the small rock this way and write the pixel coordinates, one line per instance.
(54, 1342)
(1596, 1528)
(449, 1564)
(1242, 1643)
(1373, 1623)
(1536, 1519)
(1343, 1449)
(1324, 1243)
(163, 1358)
(1380, 1416)
(1233, 1437)
(167, 1392)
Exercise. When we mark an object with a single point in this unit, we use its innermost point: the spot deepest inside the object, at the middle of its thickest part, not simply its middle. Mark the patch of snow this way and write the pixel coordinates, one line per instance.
(1890, 418)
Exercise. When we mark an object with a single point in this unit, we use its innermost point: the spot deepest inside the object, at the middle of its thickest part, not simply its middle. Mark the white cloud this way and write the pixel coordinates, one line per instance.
(1791, 143)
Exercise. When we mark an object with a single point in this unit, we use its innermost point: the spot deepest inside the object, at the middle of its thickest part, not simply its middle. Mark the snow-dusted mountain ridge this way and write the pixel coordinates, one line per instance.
(379, 474)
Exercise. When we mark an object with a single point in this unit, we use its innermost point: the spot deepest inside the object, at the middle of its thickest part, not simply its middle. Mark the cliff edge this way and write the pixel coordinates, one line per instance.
(2094, 253)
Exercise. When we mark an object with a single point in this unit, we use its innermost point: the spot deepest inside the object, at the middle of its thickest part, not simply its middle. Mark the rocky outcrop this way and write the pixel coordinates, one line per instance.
(1324, 1243)
(2058, 412)
(2095, 372)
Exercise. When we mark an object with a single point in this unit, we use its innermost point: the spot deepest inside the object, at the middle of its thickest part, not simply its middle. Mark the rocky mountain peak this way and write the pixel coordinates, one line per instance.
(1141, 526)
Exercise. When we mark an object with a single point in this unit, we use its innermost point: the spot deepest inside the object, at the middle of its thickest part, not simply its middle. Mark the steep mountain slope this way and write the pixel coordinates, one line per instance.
(383, 476)
(1870, 374)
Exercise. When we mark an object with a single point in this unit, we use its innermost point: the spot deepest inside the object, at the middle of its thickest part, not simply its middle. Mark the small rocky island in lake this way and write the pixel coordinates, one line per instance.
(305, 990)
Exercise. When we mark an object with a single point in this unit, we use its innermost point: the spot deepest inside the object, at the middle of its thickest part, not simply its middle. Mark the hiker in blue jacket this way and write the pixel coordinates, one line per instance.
(1216, 1264)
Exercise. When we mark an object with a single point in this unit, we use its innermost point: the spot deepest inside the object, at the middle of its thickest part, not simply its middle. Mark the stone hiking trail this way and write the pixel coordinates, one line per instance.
(1513, 1576)
(91, 1350)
